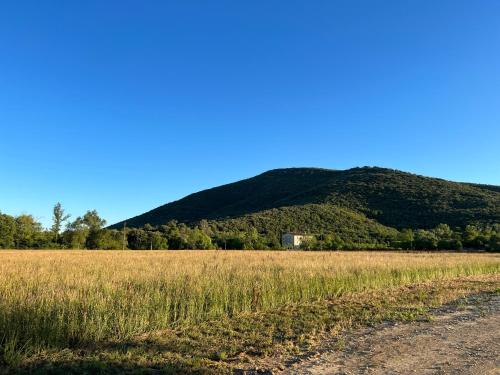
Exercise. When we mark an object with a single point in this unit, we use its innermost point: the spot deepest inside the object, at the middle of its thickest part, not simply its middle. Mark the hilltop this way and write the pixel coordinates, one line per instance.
(370, 199)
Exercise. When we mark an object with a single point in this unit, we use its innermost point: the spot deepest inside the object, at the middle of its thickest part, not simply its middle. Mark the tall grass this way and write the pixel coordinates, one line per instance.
(63, 298)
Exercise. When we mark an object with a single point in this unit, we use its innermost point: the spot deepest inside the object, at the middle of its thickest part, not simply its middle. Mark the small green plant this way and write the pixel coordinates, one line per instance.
(340, 344)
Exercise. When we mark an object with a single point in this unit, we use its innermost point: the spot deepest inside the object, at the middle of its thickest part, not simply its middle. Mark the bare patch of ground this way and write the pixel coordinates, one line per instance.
(460, 338)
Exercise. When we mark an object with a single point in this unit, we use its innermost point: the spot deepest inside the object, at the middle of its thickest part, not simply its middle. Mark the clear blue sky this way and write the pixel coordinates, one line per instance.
(125, 105)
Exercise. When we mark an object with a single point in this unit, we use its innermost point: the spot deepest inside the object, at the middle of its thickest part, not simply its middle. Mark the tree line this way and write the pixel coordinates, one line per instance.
(89, 232)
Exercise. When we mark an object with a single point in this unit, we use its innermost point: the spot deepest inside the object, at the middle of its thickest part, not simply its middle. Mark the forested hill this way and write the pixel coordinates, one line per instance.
(390, 197)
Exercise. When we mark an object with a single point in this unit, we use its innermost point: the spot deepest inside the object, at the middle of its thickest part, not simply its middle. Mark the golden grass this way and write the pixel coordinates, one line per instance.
(58, 299)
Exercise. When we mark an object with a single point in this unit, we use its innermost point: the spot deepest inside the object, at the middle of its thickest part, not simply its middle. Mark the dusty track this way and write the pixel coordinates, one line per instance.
(463, 339)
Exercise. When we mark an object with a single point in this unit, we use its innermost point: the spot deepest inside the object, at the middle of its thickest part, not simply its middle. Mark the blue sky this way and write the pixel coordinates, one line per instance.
(125, 105)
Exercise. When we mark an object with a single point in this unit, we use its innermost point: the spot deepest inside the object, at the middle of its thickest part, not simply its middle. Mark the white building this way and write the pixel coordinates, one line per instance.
(294, 240)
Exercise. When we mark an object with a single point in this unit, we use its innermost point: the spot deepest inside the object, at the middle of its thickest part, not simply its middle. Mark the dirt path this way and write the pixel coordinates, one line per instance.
(463, 339)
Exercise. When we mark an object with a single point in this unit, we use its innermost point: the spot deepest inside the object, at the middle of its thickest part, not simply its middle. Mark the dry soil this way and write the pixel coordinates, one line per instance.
(459, 339)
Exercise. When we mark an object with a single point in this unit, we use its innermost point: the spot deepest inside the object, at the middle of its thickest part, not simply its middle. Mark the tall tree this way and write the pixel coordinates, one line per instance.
(93, 221)
(27, 230)
(97, 237)
(7, 231)
(58, 218)
(76, 234)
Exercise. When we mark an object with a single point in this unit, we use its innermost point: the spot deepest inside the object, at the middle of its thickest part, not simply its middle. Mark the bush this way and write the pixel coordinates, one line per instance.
(494, 244)
(425, 240)
(105, 239)
(452, 244)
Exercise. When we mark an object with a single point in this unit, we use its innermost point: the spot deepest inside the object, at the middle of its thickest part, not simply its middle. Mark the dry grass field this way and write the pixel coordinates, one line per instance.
(91, 308)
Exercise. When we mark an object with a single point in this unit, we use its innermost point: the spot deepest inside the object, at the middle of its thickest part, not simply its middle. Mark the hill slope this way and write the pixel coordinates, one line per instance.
(392, 198)
(313, 219)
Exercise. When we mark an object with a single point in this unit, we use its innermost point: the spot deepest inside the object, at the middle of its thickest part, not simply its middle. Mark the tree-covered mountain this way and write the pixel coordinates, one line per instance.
(370, 198)
(359, 208)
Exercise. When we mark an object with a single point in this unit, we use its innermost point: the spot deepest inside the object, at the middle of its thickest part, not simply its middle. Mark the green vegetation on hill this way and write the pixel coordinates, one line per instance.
(360, 208)
(393, 198)
(337, 229)
(317, 219)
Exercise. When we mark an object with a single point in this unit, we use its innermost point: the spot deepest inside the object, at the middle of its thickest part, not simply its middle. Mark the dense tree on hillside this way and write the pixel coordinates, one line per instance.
(140, 239)
(393, 198)
(137, 239)
(181, 236)
(425, 240)
(347, 225)
(494, 243)
(330, 228)
(104, 239)
(404, 239)
(157, 241)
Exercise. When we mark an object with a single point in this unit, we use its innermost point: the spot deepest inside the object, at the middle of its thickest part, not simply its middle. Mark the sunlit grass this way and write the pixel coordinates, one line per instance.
(58, 299)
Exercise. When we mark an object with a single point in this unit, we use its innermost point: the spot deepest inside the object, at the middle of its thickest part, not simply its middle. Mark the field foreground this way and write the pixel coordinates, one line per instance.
(209, 311)
(461, 338)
